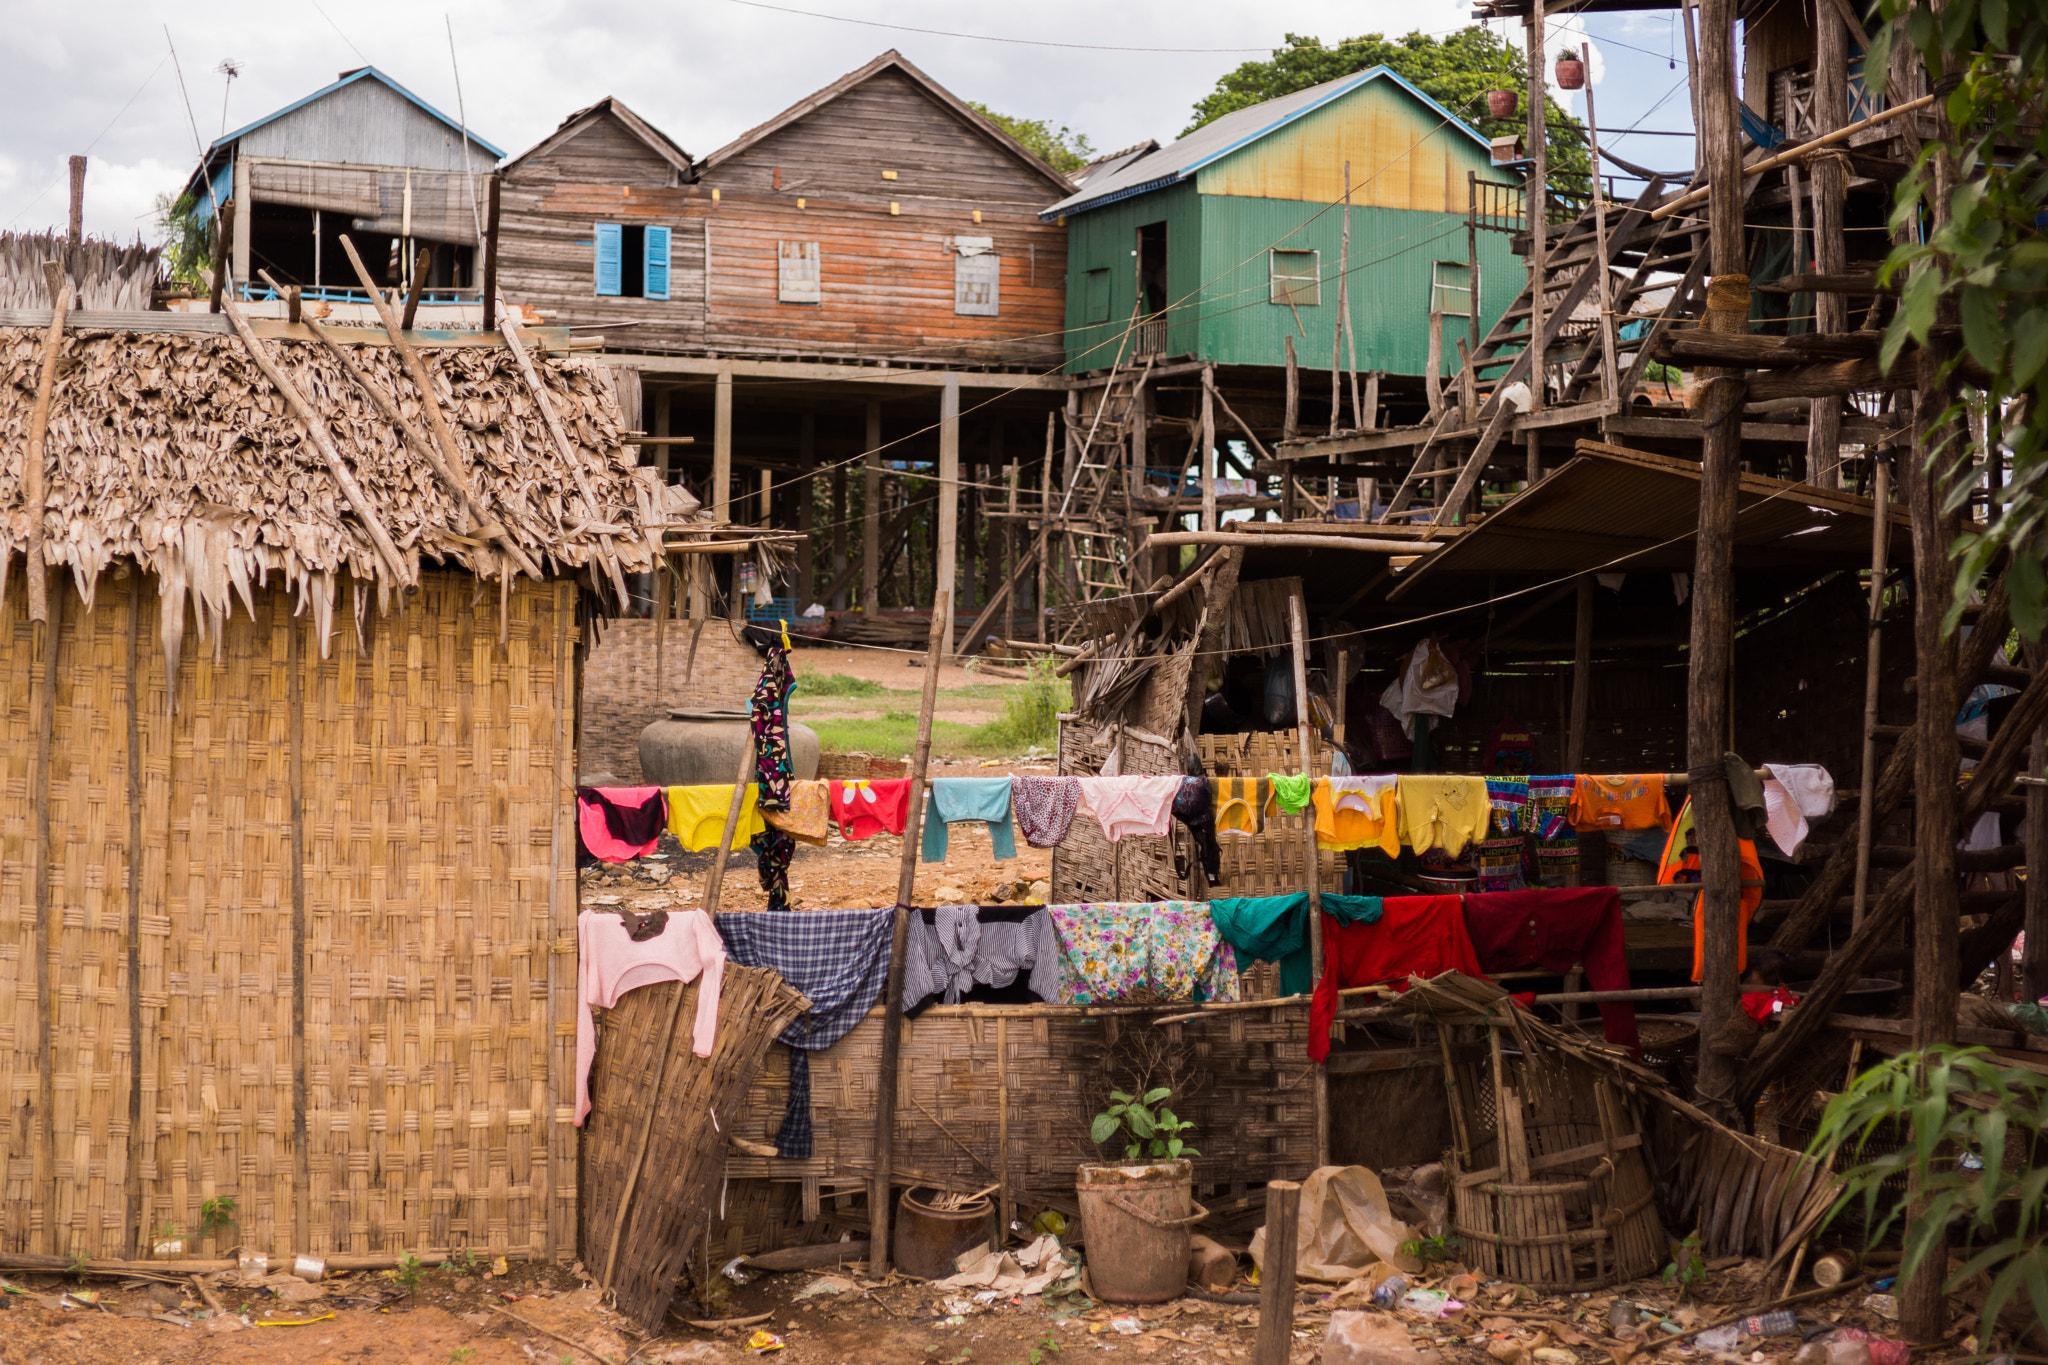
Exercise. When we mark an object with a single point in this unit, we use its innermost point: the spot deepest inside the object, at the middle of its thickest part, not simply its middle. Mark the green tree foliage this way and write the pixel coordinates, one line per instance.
(1061, 148)
(1987, 267)
(1455, 71)
(188, 247)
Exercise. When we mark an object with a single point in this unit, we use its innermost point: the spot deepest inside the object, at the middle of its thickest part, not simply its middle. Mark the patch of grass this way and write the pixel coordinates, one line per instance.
(1030, 713)
(837, 685)
(892, 734)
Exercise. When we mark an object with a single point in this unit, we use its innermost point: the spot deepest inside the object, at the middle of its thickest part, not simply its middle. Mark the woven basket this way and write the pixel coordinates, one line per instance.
(860, 767)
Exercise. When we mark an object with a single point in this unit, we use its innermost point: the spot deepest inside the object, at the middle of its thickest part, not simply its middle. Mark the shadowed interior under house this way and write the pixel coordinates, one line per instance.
(289, 915)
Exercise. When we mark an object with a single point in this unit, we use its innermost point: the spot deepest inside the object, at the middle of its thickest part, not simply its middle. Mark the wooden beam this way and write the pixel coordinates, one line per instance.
(806, 506)
(489, 293)
(1248, 540)
(948, 547)
(1273, 1343)
(1790, 154)
(1297, 627)
(1208, 461)
(420, 265)
(33, 472)
(880, 1189)
(871, 514)
(1582, 678)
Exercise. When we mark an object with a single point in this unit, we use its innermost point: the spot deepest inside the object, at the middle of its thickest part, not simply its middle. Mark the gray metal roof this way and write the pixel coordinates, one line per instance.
(1213, 141)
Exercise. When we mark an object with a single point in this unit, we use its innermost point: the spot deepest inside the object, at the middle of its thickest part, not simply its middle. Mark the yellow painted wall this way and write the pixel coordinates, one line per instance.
(1402, 153)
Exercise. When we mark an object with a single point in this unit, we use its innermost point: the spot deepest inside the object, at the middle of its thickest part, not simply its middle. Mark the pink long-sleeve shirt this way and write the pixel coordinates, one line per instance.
(609, 963)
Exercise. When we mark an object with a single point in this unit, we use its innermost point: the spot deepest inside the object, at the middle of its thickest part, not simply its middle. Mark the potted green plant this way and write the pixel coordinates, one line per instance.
(1135, 1214)
(1570, 70)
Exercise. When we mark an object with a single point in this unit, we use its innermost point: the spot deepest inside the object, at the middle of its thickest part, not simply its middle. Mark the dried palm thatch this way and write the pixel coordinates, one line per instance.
(107, 276)
(174, 450)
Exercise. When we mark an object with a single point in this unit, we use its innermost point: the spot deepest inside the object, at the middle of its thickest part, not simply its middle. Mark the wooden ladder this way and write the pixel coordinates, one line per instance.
(1570, 277)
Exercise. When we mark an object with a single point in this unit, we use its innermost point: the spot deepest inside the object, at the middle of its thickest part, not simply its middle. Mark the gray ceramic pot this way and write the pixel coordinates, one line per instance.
(700, 748)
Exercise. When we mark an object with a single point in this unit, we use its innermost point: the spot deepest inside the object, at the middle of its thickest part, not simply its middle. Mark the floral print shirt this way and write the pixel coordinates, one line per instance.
(1111, 950)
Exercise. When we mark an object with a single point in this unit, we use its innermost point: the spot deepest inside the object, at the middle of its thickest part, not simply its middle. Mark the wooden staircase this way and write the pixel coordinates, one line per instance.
(1650, 250)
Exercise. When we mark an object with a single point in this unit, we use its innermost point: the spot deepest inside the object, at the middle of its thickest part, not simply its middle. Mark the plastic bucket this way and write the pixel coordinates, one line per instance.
(1135, 1219)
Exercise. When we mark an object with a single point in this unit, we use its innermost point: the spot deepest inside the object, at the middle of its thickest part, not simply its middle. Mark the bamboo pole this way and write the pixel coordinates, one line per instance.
(879, 1210)
(323, 442)
(1866, 810)
(1254, 540)
(714, 883)
(1791, 154)
(1320, 1081)
(437, 461)
(1537, 200)
(32, 485)
(1610, 382)
(1208, 449)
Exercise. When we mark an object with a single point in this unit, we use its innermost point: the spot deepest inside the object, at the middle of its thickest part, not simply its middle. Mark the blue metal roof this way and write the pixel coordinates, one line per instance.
(226, 141)
(1213, 141)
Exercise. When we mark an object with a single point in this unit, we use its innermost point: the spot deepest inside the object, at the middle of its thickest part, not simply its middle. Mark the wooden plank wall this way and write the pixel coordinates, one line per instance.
(888, 277)
(373, 1057)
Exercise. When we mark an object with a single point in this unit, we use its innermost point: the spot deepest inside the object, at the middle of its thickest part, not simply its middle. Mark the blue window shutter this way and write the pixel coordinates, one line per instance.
(608, 249)
(655, 280)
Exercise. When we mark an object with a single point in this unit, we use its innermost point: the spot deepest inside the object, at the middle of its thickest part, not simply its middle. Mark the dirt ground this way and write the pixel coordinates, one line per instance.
(548, 1313)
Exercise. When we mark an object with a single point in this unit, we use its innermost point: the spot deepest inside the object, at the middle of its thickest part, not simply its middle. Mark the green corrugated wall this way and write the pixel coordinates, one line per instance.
(1393, 252)
(1106, 239)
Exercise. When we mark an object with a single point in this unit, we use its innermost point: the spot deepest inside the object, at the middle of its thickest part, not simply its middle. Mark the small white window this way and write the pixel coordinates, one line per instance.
(1297, 277)
(796, 273)
(1450, 289)
(977, 277)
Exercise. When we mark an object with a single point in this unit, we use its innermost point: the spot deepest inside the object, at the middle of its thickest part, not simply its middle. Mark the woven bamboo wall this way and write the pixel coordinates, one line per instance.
(974, 1075)
(409, 1087)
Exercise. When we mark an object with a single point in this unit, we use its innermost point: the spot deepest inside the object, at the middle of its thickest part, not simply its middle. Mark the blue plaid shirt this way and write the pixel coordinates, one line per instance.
(837, 958)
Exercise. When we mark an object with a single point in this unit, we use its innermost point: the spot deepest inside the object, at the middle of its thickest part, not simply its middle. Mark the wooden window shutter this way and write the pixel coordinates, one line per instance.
(1095, 299)
(977, 278)
(655, 279)
(797, 273)
(610, 248)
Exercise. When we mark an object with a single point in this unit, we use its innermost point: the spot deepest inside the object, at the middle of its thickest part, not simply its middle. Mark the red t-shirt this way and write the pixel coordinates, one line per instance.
(1414, 936)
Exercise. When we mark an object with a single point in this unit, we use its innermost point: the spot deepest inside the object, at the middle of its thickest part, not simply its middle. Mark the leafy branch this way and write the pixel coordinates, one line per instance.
(1145, 1130)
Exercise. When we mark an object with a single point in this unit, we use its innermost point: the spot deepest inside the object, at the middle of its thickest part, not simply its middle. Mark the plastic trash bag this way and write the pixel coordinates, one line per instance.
(1345, 1227)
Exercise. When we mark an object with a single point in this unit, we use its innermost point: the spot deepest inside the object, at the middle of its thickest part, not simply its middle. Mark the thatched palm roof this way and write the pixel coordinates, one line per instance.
(174, 451)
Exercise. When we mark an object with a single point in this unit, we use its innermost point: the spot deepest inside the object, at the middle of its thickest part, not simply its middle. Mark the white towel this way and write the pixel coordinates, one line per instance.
(1793, 794)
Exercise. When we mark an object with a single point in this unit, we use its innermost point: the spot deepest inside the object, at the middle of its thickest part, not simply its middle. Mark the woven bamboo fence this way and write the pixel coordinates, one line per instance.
(993, 1094)
(305, 942)
(653, 1147)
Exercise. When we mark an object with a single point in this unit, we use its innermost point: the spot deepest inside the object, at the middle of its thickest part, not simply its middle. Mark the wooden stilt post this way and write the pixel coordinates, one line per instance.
(839, 512)
(1713, 581)
(1538, 201)
(1937, 908)
(1290, 423)
(949, 497)
(1208, 447)
(721, 478)
(1274, 1344)
(1011, 475)
(880, 1210)
(1045, 551)
(1830, 191)
(1610, 381)
(871, 515)
(1582, 679)
(1297, 625)
(2034, 968)
(1880, 562)
(806, 507)
(1433, 366)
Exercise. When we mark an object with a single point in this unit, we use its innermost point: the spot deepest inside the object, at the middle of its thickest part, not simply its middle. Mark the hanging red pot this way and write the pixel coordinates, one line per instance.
(1502, 103)
(1570, 72)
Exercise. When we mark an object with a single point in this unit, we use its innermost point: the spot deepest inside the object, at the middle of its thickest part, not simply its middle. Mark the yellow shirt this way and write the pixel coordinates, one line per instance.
(696, 815)
(1443, 812)
(1237, 804)
(1358, 812)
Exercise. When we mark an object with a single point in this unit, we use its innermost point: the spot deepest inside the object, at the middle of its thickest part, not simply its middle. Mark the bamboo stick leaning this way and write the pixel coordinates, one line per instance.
(323, 441)
(446, 461)
(32, 486)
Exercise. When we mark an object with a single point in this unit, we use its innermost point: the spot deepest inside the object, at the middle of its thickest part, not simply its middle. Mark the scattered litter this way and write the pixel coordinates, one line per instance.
(1028, 1270)
(1434, 1304)
(824, 1284)
(1126, 1327)
(293, 1322)
(1780, 1323)
(959, 1308)
(763, 1341)
(731, 1270)
(1718, 1340)
(1885, 1306)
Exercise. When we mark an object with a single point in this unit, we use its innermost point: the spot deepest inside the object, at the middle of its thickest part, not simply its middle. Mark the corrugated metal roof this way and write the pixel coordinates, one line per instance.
(1219, 139)
(1112, 162)
(1613, 510)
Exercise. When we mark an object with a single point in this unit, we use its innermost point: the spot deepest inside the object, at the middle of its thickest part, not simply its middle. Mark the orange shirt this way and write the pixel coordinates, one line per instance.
(1626, 802)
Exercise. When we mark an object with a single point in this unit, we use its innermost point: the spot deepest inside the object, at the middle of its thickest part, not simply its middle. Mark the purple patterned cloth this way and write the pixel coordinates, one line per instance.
(1044, 807)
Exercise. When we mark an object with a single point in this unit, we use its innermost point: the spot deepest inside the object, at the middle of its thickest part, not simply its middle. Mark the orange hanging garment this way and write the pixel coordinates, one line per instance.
(1681, 864)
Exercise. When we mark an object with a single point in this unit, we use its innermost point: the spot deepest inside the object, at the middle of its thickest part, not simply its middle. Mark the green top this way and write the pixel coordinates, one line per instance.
(1292, 791)
(1275, 929)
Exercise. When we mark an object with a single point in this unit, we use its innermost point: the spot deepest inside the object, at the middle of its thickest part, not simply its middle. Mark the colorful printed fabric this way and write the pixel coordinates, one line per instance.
(770, 708)
(1509, 797)
(839, 959)
(809, 817)
(1500, 865)
(1044, 807)
(1170, 948)
(773, 849)
(1550, 800)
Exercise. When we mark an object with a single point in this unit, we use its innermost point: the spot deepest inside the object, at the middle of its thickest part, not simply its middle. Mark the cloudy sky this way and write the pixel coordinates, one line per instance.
(99, 77)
